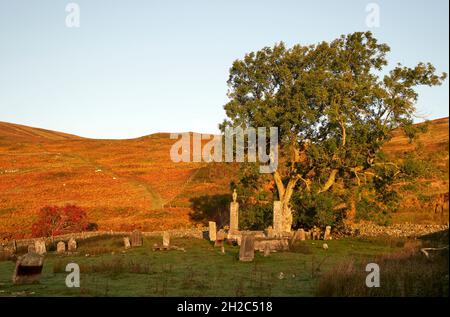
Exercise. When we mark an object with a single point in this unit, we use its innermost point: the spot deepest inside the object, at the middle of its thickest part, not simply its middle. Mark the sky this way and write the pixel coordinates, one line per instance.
(133, 67)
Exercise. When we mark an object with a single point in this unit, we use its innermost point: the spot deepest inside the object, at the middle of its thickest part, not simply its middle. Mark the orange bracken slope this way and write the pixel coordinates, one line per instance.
(125, 184)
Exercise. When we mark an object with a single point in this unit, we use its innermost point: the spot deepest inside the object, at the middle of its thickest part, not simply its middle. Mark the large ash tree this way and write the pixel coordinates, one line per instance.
(334, 110)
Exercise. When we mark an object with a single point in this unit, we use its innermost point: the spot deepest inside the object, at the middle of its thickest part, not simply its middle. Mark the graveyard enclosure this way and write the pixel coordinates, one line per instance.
(108, 269)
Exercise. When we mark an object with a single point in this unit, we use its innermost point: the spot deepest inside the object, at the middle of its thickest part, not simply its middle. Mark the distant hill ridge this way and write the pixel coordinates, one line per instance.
(127, 184)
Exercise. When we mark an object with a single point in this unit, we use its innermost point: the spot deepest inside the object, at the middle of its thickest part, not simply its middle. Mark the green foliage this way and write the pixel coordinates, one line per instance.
(334, 114)
(413, 167)
(256, 217)
(313, 209)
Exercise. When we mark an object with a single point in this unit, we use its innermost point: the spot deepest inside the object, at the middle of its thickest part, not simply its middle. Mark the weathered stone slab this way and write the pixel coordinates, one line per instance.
(247, 250)
(72, 245)
(301, 235)
(166, 239)
(126, 242)
(28, 269)
(234, 217)
(270, 233)
(327, 234)
(220, 238)
(136, 238)
(274, 244)
(39, 247)
(60, 247)
(212, 231)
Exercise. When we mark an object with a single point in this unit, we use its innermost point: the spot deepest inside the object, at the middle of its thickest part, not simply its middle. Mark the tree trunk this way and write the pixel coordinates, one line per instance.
(285, 195)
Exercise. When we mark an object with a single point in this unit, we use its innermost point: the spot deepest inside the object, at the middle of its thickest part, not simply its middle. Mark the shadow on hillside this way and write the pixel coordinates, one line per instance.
(211, 208)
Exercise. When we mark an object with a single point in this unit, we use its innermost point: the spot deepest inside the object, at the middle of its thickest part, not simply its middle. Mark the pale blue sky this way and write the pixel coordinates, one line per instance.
(139, 67)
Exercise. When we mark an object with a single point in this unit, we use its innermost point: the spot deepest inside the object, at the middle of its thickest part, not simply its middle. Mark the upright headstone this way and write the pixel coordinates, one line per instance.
(219, 238)
(166, 239)
(136, 238)
(327, 234)
(212, 231)
(39, 246)
(60, 247)
(277, 217)
(126, 242)
(234, 217)
(72, 245)
(318, 233)
(28, 269)
(247, 250)
(301, 235)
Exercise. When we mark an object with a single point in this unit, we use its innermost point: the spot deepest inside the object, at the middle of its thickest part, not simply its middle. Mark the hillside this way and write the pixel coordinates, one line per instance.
(126, 184)
(123, 184)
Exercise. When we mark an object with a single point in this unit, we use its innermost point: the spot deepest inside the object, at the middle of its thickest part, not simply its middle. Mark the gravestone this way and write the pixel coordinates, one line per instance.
(307, 235)
(266, 250)
(60, 247)
(327, 234)
(166, 239)
(301, 235)
(136, 239)
(126, 242)
(277, 217)
(247, 250)
(234, 217)
(39, 247)
(219, 238)
(72, 245)
(28, 269)
(270, 232)
(212, 231)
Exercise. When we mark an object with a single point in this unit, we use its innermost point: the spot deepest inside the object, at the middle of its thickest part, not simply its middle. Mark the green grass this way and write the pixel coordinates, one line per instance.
(200, 271)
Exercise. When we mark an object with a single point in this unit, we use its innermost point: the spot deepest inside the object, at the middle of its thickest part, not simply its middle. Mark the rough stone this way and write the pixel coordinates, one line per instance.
(166, 239)
(301, 235)
(274, 244)
(247, 249)
(72, 245)
(39, 247)
(28, 269)
(212, 231)
(126, 242)
(220, 238)
(327, 234)
(60, 247)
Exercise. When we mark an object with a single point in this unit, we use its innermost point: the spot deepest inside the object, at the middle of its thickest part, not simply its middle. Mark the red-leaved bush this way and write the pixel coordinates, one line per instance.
(55, 220)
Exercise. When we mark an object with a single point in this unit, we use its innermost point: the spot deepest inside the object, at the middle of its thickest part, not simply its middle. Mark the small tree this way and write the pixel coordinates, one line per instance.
(54, 220)
(333, 109)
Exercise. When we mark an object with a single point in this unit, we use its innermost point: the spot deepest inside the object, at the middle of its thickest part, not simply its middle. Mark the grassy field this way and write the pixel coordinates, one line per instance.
(200, 271)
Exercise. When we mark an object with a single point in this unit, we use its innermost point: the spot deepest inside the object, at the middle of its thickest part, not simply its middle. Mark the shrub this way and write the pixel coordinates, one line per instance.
(55, 220)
